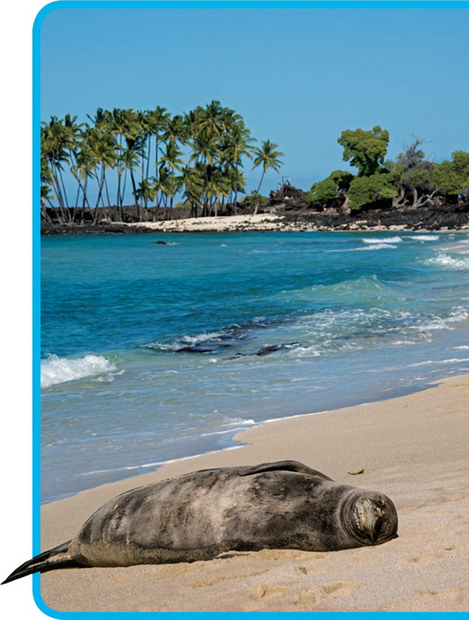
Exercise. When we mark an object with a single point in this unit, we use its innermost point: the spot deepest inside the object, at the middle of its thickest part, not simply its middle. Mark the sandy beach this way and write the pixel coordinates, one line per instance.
(260, 221)
(273, 222)
(412, 448)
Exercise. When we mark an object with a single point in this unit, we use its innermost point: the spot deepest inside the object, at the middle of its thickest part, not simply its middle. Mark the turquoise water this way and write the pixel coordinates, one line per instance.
(153, 352)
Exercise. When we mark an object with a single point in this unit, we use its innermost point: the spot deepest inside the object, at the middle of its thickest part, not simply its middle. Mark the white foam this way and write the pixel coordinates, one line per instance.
(424, 237)
(382, 240)
(56, 370)
(155, 463)
(372, 245)
(455, 360)
(445, 260)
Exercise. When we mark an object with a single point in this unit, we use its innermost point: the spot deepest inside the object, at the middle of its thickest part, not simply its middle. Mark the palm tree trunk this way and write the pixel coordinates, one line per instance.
(44, 213)
(262, 178)
(95, 216)
(58, 193)
(108, 201)
(119, 197)
(149, 155)
(236, 193)
(138, 215)
(82, 219)
(69, 213)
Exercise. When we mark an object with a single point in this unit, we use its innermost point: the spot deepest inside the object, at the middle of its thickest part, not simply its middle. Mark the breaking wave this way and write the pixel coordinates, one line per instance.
(56, 370)
(382, 241)
(445, 260)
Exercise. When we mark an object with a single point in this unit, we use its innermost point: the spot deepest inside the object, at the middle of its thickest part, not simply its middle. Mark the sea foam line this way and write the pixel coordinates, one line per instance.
(382, 240)
(445, 260)
(156, 463)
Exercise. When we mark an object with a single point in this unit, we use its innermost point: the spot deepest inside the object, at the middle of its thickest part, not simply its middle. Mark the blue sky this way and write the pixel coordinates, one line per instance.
(298, 76)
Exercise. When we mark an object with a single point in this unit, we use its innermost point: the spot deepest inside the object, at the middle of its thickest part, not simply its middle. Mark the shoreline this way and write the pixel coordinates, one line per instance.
(272, 223)
(153, 467)
(418, 221)
(412, 448)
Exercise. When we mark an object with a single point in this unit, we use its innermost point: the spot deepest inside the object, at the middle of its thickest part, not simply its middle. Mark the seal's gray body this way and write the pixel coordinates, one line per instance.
(200, 515)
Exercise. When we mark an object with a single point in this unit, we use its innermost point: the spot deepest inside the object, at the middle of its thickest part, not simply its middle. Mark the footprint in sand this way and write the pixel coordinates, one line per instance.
(448, 595)
(339, 588)
(421, 560)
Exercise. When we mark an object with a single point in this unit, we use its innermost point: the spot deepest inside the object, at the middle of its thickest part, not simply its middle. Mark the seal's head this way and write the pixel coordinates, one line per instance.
(370, 518)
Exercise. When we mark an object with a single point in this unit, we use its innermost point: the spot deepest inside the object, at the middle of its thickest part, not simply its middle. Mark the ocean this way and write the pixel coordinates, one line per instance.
(152, 352)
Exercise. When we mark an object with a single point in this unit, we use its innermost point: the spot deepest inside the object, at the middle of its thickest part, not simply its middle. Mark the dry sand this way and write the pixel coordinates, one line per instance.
(413, 448)
(263, 221)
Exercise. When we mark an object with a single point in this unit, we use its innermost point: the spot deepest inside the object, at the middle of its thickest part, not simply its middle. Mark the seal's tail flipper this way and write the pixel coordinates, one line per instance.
(294, 466)
(58, 557)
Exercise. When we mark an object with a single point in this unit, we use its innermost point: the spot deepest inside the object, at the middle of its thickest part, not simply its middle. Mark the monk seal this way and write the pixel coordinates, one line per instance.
(281, 505)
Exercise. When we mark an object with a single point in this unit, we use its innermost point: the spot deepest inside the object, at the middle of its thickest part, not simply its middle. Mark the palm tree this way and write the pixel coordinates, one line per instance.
(268, 157)
(123, 125)
(159, 120)
(219, 188)
(172, 161)
(135, 144)
(56, 145)
(84, 168)
(129, 160)
(206, 147)
(211, 119)
(104, 152)
(193, 180)
(176, 130)
(46, 184)
(237, 144)
(146, 191)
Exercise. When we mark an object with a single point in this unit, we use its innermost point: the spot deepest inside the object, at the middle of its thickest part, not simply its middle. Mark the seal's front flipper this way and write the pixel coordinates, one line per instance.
(58, 557)
(294, 466)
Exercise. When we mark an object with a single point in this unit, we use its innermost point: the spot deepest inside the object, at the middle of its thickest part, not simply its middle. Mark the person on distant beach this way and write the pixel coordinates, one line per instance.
(324, 208)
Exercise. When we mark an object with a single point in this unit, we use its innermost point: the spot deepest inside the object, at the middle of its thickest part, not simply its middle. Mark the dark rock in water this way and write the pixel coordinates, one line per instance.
(203, 347)
(267, 350)
(160, 242)
(227, 338)
(275, 347)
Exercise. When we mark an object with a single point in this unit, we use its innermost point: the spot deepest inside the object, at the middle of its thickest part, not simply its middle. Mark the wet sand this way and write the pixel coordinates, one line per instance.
(413, 448)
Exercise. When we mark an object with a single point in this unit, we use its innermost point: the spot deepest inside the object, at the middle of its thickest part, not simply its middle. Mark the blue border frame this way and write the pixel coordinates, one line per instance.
(36, 236)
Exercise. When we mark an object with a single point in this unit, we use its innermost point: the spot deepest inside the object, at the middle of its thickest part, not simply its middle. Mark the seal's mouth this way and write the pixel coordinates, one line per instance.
(374, 520)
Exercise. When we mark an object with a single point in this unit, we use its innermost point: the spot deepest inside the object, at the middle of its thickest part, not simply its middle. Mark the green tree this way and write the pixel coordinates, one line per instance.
(364, 190)
(268, 157)
(336, 183)
(123, 124)
(57, 144)
(104, 149)
(193, 181)
(146, 191)
(237, 144)
(452, 177)
(83, 170)
(365, 150)
(322, 191)
(412, 174)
